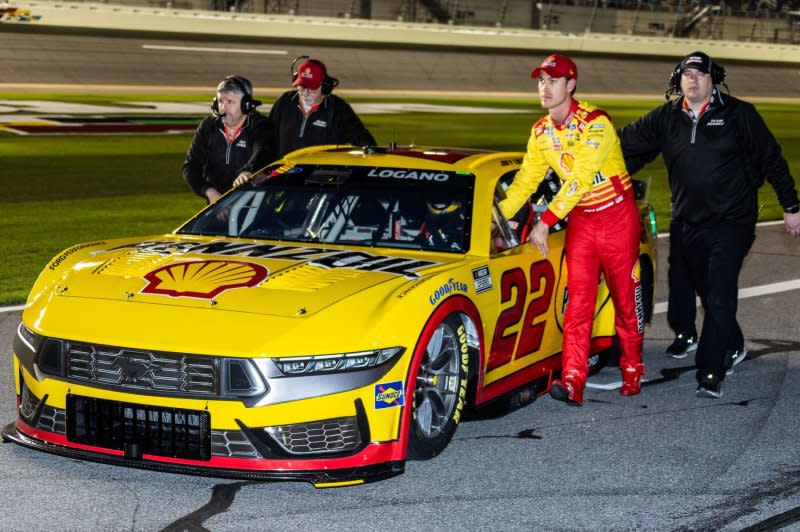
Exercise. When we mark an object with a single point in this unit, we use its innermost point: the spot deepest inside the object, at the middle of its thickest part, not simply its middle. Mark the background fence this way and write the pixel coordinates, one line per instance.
(774, 21)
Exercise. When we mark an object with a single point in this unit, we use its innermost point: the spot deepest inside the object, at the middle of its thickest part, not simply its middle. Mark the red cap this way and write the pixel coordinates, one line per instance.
(558, 66)
(310, 74)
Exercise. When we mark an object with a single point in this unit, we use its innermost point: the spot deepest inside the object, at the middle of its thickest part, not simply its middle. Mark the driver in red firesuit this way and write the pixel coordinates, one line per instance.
(579, 142)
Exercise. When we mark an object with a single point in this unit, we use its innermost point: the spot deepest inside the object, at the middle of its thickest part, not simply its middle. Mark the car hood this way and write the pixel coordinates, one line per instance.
(252, 277)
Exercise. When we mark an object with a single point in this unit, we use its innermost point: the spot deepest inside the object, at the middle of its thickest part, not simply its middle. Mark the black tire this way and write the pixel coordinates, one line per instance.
(440, 392)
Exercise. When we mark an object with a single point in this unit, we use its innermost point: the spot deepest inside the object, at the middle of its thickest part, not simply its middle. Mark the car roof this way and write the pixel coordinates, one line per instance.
(477, 161)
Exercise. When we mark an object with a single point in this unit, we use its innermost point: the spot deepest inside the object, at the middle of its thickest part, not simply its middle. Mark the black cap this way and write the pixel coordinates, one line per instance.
(697, 60)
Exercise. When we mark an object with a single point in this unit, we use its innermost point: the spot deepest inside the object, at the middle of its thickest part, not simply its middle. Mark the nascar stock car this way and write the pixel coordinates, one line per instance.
(326, 321)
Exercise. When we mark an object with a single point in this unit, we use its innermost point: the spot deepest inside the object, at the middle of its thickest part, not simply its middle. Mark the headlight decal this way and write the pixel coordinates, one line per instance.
(326, 364)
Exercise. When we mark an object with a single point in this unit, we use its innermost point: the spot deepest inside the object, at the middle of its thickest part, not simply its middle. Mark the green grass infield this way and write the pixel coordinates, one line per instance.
(64, 189)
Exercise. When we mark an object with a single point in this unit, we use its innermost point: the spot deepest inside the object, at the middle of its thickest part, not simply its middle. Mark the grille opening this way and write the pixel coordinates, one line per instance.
(139, 429)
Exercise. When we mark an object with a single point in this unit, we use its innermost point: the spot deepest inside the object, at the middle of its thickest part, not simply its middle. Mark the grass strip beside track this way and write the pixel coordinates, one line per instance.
(62, 190)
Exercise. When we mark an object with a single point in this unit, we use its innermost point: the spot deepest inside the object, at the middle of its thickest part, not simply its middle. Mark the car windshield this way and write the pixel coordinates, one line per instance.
(364, 206)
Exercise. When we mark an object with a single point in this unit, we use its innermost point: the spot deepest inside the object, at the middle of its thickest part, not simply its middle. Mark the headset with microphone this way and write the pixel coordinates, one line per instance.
(674, 84)
(235, 83)
(328, 82)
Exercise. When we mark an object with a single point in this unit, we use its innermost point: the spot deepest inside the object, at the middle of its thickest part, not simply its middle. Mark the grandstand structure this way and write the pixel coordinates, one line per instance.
(770, 21)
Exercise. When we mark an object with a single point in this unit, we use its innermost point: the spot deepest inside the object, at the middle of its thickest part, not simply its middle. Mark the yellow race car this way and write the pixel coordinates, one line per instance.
(326, 321)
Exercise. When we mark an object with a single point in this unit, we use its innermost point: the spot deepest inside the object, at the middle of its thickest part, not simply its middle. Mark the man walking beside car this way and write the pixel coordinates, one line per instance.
(236, 141)
(579, 142)
(717, 151)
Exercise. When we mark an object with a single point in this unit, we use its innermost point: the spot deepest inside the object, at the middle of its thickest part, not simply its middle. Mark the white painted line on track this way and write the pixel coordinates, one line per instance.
(213, 50)
(753, 291)
(11, 309)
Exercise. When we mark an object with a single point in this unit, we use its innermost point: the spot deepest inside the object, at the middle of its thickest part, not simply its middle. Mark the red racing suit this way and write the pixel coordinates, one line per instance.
(603, 230)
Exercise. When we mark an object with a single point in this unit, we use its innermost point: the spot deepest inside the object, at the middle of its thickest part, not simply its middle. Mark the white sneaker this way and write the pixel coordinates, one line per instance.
(736, 358)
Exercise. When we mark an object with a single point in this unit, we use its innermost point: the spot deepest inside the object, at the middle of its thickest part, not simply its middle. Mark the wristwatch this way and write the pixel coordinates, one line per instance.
(794, 209)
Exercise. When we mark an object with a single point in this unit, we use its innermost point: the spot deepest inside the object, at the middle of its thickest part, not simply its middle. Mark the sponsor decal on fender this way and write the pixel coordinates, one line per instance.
(482, 279)
(450, 287)
(203, 279)
(389, 394)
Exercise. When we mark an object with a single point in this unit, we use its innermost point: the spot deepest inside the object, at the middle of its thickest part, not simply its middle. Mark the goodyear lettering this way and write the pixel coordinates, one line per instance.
(462, 385)
(419, 175)
(450, 287)
(67, 252)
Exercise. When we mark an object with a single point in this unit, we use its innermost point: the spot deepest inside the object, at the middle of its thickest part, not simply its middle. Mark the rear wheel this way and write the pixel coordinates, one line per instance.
(440, 392)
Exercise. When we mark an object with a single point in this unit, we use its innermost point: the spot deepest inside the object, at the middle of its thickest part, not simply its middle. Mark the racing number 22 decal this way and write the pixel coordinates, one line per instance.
(514, 284)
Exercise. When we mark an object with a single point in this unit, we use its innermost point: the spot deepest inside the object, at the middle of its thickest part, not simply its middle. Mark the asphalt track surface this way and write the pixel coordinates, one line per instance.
(663, 460)
(33, 58)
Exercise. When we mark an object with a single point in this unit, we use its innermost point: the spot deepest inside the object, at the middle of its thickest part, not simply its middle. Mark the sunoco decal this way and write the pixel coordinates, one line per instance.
(354, 260)
(389, 394)
(482, 279)
(203, 279)
(450, 287)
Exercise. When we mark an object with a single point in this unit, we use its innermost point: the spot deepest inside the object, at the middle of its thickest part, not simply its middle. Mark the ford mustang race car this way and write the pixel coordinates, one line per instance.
(326, 321)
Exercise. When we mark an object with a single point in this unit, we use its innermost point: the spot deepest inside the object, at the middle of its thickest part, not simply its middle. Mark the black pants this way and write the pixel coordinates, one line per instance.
(681, 306)
(715, 255)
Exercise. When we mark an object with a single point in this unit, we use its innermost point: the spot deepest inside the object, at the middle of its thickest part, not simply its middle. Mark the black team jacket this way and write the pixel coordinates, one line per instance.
(715, 164)
(333, 122)
(212, 161)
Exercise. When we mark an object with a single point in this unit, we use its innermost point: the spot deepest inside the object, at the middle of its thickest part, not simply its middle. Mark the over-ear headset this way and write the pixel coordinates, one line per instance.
(238, 84)
(328, 83)
(674, 84)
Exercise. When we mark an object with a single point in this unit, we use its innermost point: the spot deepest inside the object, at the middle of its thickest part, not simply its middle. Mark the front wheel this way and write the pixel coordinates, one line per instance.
(440, 392)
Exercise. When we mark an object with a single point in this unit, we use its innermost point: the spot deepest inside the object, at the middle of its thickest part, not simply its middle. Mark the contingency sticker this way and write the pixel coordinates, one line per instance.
(483, 281)
(389, 394)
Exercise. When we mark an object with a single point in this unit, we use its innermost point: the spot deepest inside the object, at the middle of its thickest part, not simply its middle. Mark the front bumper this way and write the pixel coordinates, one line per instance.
(318, 472)
(337, 448)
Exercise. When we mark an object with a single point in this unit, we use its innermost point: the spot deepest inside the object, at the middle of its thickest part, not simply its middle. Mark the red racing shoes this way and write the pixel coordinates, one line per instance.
(568, 389)
(632, 379)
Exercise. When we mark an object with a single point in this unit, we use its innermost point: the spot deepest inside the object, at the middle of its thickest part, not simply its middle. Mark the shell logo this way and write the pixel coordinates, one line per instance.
(636, 273)
(203, 279)
(567, 161)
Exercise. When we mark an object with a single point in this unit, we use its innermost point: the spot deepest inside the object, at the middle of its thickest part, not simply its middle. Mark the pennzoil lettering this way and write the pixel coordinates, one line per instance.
(408, 174)
(356, 260)
(450, 287)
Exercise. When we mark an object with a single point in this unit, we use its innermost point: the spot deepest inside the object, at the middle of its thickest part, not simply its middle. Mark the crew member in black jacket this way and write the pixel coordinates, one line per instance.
(310, 115)
(717, 151)
(236, 141)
